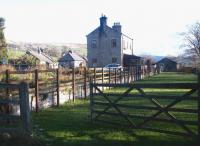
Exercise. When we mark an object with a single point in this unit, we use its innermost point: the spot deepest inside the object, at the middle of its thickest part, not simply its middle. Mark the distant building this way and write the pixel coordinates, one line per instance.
(132, 60)
(106, 45)
(167, 65)
(72, 60)
(42, 58)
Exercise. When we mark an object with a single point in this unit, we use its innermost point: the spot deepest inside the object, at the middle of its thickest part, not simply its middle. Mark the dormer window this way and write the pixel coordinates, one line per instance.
(113, 43)
(94, 44)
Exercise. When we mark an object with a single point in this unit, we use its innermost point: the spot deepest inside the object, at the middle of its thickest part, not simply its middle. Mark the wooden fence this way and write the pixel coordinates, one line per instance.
(75, 81)
(14, 123)
(140, 108)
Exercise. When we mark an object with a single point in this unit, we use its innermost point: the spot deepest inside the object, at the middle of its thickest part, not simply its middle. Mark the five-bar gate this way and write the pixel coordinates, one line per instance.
(172, 108)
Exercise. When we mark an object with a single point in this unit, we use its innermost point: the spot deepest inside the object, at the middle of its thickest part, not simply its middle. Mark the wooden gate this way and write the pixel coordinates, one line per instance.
(166, 108)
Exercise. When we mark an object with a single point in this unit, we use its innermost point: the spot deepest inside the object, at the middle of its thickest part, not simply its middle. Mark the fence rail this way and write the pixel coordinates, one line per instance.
(75, 81)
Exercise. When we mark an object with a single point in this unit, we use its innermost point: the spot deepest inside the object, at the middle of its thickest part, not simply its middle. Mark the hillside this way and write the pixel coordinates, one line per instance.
(53, 49)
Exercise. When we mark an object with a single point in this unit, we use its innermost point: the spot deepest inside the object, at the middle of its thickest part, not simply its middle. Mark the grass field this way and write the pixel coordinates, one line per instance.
(69, 125)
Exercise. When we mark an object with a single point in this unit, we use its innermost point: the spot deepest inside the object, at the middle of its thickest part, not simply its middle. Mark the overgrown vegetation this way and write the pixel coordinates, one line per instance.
(15, 54)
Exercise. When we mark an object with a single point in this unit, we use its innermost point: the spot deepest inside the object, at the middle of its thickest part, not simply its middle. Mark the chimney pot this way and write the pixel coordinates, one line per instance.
(117, 27)
(103, 21)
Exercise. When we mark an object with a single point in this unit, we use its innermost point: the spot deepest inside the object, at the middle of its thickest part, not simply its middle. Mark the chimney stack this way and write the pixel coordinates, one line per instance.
(103, 21)
(117, 27)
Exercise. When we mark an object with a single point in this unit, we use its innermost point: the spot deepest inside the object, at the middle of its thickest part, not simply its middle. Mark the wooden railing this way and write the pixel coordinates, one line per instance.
(74, 80)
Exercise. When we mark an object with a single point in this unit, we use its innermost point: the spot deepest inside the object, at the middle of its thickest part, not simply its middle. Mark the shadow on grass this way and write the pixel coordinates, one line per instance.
(70, 125)
(18, 140)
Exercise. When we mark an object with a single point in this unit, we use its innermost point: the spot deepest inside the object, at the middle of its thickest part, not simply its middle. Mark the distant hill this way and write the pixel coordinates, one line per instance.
(157, 58)
(52, 48)
(154, 58)
(59, 48)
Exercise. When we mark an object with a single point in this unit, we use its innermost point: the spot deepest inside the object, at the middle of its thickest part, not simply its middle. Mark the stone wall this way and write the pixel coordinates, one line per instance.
(104, 52)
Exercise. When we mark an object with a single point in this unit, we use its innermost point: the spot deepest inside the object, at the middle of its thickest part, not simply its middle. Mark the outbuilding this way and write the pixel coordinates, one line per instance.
(167, 65)
(132, 60)
(71, 60)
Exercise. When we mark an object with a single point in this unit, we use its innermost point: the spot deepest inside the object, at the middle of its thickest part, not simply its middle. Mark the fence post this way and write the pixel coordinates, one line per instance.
(91, 100)
(115, 76)
(142, 72)
(134, 73)
(198, 137)
(121, 75)
(94, 75)
(125, 75)
(36, 90)
(81, 91)
(128, 74)
(94, 78)
(131, 69)
(109, 78)
(146, 72)
(85, 82)
(24, 107)
(7, 81)
(7, 90)
(73, 84)
(7, 75)
(102, 78)
(58, 86)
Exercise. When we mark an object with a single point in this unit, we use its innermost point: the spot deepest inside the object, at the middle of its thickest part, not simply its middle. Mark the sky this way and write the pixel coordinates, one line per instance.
(154, 25)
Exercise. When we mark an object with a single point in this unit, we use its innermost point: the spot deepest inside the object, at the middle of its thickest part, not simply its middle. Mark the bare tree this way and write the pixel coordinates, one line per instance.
(187, 60)
(192, 41)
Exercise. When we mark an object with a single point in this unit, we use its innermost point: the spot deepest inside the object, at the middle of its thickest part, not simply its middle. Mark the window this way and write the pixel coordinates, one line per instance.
(114, 60)
(94, 44)
(94, 60)
(113, 43)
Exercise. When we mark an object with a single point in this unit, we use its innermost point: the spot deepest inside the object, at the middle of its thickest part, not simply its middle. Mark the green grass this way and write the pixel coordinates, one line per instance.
(170, 77)
(69, 125)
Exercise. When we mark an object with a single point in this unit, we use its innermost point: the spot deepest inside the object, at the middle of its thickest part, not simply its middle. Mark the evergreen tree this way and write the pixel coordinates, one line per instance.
(3, 49)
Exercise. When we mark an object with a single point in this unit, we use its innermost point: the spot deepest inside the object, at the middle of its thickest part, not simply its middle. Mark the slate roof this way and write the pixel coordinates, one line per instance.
(167, 59)
(107, 28)
(71, 56)
(41, 56)
(127, 56)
